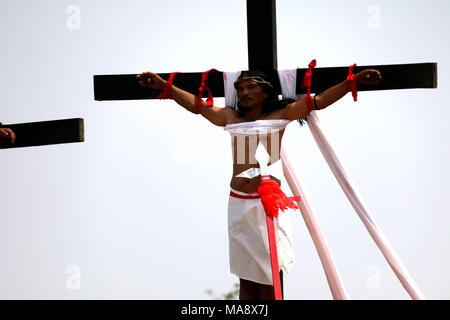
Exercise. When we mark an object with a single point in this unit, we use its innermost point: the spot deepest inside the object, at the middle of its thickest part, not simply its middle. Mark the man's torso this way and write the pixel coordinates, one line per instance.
(244, 148)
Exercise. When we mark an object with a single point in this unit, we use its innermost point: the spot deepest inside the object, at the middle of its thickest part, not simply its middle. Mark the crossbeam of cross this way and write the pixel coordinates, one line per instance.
(395, 76)
(41, 133)
(262, 55)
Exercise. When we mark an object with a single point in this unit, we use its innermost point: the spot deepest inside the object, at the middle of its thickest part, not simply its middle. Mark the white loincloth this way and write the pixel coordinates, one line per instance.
(249, 243)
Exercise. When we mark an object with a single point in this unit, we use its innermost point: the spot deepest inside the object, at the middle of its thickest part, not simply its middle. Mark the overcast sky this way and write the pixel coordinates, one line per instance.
(139, 210)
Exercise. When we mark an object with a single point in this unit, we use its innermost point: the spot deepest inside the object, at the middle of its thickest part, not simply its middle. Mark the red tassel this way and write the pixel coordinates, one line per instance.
(273, 198)
(210, 99)
(307, 84)
(165, 94)
(352, 82)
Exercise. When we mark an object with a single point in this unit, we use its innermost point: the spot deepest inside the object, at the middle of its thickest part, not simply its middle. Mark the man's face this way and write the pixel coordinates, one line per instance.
(250, 94)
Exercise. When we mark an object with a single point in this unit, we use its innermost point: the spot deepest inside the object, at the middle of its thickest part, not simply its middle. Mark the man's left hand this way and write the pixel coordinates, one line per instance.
(368, 77)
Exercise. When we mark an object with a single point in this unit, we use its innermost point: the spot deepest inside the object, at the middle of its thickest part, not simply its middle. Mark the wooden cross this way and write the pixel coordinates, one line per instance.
(44, 133)
(262, 55)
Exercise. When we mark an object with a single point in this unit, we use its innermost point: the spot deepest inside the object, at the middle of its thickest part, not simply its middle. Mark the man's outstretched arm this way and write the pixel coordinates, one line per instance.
(216, 115)
(298, 109)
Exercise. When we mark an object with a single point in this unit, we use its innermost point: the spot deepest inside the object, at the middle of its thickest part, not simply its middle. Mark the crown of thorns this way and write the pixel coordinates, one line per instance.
(256, 79)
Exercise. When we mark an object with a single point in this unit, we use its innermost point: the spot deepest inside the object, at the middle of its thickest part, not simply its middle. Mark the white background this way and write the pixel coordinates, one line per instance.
(138, 211)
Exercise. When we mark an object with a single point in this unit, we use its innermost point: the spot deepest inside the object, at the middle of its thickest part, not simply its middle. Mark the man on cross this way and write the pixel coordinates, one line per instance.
(249, 253)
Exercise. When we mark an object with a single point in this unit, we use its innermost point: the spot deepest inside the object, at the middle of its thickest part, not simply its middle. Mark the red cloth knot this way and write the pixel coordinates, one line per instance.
(165, 94)
(307, 84)
(273, 198)
(352, 82)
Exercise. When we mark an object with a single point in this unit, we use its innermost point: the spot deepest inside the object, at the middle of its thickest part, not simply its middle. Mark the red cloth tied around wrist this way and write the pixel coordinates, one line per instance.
(210, 99)
(307, 84)
(165, 94)
(352, 82)
(273, 198)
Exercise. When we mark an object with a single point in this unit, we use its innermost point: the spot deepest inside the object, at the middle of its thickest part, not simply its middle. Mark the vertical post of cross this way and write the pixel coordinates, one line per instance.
(262, 35)
(262, 55)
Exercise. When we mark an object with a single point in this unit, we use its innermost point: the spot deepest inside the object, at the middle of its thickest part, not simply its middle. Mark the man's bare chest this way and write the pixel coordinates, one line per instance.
(244, 146)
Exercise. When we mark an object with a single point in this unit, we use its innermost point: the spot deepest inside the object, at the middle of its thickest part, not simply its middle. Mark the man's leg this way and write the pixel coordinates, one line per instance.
(266, 292)
(248, 290)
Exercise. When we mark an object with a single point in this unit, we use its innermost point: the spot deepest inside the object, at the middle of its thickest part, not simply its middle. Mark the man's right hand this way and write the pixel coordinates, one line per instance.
(6, 133)
(151, 80)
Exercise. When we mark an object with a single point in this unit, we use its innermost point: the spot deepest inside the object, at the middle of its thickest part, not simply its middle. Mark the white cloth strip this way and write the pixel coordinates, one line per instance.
(334, 280)
(257, 126)
(261, 127)
(288, 88)
(288, 82)
(275, 170)
(358, 203)
(229, 78)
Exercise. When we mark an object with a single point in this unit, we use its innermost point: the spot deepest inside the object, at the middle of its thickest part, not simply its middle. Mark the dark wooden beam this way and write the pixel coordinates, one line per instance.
(125, 86)
(395, 76)
(262, 35)
(45, 133)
